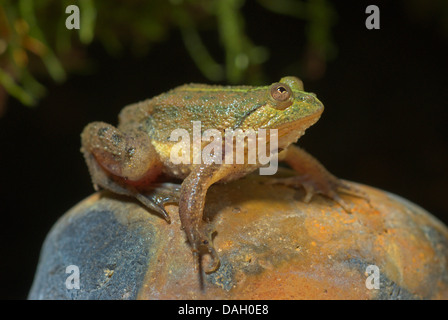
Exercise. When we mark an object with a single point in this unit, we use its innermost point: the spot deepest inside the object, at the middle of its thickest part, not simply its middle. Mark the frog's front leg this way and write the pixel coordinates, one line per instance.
(191, 208)
(126, 163)
(314, 178)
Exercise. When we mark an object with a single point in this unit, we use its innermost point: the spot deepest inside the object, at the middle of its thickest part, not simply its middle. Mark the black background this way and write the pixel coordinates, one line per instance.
(385, 122)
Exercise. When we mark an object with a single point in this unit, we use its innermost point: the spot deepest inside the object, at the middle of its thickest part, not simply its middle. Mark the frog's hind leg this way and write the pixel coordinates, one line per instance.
(125, 163)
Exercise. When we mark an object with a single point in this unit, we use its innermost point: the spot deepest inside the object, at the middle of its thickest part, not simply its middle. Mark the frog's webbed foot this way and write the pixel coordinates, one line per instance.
(160, 195)
(315, 179)
(329, 188)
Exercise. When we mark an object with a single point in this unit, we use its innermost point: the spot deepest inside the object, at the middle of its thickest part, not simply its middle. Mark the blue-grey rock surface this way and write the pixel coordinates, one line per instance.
(112, 258)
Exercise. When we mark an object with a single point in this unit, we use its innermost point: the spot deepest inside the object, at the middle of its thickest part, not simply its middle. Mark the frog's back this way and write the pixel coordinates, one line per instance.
(216, 107)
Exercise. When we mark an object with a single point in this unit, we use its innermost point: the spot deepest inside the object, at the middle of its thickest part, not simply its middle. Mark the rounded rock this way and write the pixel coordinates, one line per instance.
(271, 245)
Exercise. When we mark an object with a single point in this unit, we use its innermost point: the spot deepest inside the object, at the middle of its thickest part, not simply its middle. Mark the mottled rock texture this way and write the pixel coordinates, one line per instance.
(272, 246)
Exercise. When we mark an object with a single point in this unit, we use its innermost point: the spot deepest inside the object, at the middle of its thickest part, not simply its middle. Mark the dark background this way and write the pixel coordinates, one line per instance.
(385, 122)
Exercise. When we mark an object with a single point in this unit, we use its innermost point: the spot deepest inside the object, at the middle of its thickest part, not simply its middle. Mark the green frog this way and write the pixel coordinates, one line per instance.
(130, 159)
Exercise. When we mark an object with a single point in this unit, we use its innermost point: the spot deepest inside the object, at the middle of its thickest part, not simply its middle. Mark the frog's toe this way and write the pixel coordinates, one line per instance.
(150, 204)
(344, 187)
(165, 193)
(215, 263)
(207, 248)
(336, 198)
(158, 196)
(296, 182)
(202, 246)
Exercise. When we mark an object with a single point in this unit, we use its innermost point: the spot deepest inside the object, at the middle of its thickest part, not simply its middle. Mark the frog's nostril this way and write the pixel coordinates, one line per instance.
(307, 98)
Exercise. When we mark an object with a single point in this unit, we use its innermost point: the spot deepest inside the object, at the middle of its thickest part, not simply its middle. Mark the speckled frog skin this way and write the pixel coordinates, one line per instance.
(130, 158)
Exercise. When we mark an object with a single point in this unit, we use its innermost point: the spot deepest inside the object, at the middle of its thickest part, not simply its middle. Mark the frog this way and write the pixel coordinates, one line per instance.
(131, 158)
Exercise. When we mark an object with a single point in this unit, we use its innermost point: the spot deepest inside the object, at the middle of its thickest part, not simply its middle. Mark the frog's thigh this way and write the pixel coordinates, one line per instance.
(127, 154)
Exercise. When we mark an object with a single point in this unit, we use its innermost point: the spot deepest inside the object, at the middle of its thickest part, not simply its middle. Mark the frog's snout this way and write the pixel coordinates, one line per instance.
(311, 100)
(316, 106)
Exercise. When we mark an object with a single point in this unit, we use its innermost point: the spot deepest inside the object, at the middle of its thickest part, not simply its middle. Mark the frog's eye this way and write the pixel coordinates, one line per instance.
(281, 94)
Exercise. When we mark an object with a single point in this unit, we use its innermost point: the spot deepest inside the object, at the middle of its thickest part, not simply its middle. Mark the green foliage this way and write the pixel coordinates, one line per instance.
(34, 39)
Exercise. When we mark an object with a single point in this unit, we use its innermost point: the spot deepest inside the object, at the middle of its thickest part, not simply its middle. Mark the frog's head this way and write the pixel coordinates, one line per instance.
(287, 108)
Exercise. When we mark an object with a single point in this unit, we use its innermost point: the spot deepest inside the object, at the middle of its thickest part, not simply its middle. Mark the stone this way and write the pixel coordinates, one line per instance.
(272, 245)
